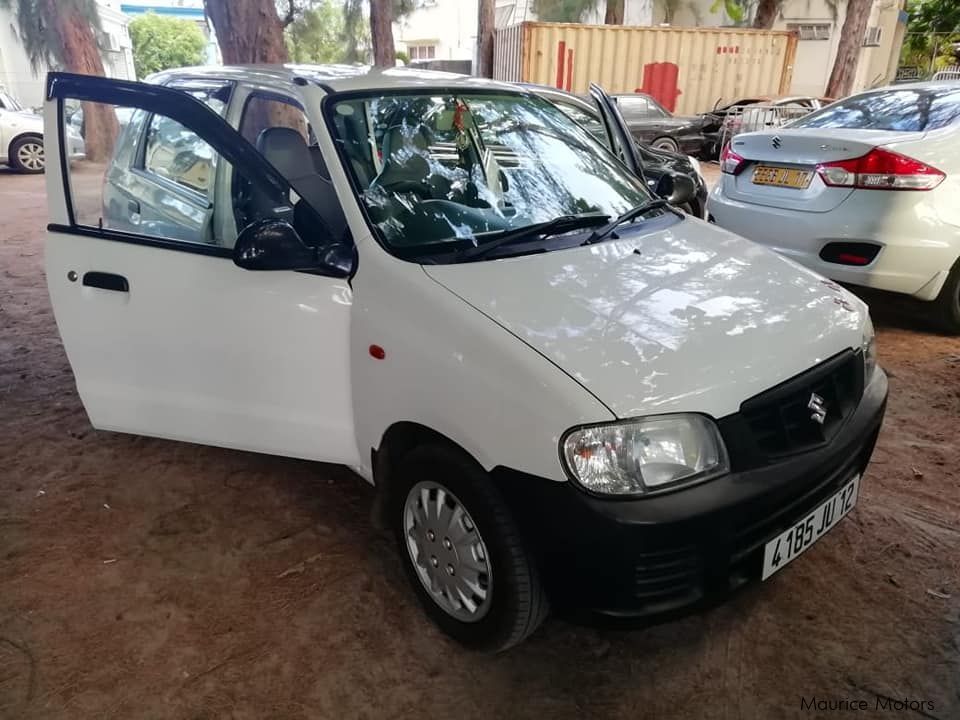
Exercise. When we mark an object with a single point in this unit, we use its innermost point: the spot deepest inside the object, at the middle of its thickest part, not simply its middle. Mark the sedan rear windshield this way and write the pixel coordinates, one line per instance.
(906, 109)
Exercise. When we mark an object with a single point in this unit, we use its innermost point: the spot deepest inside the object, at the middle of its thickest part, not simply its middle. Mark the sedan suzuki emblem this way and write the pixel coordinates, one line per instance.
(776, 142)
(819, 408)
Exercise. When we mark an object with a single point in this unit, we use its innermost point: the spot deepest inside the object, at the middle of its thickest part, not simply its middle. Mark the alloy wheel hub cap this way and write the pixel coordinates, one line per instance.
(447, 552)
(31, 156)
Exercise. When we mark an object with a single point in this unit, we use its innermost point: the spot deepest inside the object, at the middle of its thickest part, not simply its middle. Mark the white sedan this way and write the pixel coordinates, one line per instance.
(863, 191)
(21, 138)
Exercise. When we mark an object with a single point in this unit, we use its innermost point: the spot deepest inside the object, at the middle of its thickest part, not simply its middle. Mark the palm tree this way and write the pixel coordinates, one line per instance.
(61, 34)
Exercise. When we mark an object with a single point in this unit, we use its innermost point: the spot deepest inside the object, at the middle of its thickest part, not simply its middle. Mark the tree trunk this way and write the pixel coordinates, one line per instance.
(486, 20)
(614, 13)
(248, 31)
(767, 11)
(848, 49)
(381, 33)
(82, 55)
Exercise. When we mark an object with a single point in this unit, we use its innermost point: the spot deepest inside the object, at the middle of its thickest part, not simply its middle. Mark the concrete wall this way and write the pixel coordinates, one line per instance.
(449, 26)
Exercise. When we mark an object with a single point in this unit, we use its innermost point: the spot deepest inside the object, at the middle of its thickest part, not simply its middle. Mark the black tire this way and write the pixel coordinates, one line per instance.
(517, 603)
(665, 143)
(948, 302)
(15, 148)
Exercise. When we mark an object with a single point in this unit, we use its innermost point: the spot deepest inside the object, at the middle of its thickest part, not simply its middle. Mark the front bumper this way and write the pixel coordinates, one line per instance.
(658, 557)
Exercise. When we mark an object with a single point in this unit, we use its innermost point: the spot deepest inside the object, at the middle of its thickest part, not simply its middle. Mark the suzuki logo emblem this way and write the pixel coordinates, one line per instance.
(819, 408)
(776, 142)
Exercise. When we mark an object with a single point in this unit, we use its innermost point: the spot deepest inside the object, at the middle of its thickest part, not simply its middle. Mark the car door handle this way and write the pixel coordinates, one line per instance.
(106, 281)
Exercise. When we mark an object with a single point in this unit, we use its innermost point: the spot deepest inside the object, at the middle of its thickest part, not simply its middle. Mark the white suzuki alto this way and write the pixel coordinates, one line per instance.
(560, 386)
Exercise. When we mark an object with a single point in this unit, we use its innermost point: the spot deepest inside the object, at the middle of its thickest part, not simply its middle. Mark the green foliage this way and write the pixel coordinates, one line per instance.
(317, 36)
(733, 8)
(401, 56)
(161, 43)
(36, 25)
(356, 31)
(932, 32)
(933, 16)
(562, 10)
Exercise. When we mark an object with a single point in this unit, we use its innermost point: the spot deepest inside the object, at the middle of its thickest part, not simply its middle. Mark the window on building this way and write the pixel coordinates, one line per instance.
(872, 37)
(811, 31)
(423, 52)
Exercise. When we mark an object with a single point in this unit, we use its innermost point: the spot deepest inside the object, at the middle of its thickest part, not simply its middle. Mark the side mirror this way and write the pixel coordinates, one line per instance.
(663, 186)
(684, 190)
(678, 188)
(272, 245)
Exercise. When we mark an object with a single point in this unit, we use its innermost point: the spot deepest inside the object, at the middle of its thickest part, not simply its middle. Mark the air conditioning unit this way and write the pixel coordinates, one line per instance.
(109, 42)
(872, 37)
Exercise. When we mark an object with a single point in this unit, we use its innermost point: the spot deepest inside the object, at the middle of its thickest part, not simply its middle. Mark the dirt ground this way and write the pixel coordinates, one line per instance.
(142, 578)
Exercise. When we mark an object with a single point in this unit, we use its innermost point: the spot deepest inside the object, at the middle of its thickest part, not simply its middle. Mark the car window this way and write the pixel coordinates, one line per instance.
(159, 183)
(445, 170)
(175, 154)
(7, 102)
(633, 106)
(904, 109)
(262, 111)
(586, 120)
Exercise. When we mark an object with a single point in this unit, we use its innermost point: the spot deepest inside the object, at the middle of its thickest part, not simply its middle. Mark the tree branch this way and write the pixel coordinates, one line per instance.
(291, 13)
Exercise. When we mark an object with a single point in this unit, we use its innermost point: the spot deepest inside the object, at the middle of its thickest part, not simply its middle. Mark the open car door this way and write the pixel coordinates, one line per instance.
(166, 334)
(621, 140)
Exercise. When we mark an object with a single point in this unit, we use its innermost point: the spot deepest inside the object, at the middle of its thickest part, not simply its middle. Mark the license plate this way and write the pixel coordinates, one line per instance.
(782, 177)
(790, 544)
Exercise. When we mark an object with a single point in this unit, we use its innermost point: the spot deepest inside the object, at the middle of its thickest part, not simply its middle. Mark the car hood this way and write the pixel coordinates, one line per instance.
(688, 318)
(24, 120)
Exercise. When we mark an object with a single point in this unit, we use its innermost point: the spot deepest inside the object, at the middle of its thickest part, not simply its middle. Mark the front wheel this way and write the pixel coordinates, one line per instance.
(26, 155)
(463, 552)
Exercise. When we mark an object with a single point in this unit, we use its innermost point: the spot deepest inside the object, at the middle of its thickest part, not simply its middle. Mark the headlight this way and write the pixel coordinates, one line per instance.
(869, 348)
(645, 455)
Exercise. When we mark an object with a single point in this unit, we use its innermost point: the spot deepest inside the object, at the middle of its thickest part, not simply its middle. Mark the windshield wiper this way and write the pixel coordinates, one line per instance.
(562, 224)
(632, 214)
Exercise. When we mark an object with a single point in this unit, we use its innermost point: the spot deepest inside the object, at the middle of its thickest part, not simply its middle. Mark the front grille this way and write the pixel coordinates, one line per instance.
(780, 420)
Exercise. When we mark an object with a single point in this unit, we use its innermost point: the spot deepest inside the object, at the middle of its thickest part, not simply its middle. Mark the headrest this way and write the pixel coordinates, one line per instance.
(287, 151)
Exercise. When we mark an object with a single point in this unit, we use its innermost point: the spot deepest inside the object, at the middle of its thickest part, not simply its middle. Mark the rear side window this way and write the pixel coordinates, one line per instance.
(178, 155)
(910, 110)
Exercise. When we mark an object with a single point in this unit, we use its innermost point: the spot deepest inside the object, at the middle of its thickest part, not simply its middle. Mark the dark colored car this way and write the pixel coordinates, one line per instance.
(725, 117)
(656, 161)
(654, 125)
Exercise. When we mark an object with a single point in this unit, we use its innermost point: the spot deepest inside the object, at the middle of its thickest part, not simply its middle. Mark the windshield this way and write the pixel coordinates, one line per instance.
(441, 172)
(907, 109)
(7, 102)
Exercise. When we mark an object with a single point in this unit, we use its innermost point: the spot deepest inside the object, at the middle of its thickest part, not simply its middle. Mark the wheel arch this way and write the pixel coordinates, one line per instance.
(398, 440)
(21, 136)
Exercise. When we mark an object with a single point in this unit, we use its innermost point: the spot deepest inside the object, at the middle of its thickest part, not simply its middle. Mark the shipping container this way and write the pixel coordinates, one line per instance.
(686, 69)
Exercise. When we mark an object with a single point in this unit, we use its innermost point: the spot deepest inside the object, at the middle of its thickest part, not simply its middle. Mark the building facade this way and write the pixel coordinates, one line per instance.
(27, 85)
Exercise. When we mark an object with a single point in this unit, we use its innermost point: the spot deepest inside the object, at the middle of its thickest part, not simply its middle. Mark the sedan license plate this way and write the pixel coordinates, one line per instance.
(789, 545)
(782, 177)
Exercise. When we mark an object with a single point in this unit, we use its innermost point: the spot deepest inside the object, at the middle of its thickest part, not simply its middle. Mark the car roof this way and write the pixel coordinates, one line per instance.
(335, 78)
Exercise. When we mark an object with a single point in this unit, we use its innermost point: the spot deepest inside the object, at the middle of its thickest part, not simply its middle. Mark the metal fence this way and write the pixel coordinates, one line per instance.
(750, 118)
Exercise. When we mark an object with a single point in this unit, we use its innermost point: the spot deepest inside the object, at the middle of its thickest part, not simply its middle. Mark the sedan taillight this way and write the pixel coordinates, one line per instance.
(880, 169)
(730, 162)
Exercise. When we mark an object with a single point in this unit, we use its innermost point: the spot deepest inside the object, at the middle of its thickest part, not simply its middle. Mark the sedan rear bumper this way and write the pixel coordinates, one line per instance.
(917, 250)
